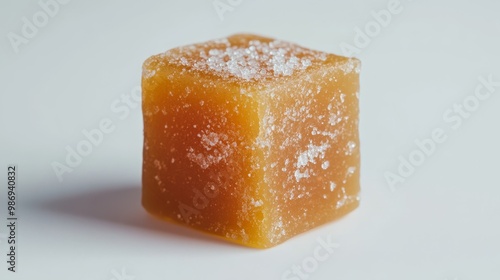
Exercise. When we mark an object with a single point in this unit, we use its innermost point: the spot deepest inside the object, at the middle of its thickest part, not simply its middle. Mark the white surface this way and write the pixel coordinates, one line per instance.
(441, 223)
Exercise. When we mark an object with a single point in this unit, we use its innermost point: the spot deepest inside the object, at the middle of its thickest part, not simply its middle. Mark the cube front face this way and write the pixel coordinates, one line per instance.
(255, 157)
(198, 155)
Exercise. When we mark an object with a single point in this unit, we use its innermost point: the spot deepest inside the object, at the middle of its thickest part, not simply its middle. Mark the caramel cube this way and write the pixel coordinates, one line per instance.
(249, 138)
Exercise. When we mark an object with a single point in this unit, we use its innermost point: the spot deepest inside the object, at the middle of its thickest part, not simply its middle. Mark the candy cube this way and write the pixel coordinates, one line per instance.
(249, 138)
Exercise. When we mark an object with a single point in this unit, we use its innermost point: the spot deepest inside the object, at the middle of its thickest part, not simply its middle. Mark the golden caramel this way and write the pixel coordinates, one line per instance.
(249, 138)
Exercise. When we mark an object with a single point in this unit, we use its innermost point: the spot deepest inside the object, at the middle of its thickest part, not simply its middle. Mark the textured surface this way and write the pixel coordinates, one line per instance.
(250, 138)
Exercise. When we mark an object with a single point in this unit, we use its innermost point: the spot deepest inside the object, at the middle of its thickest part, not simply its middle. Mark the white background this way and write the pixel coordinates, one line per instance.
(441, 223)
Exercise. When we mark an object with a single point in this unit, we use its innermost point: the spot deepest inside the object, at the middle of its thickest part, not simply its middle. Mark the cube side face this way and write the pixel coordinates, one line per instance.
(199, 154)
(311, 142)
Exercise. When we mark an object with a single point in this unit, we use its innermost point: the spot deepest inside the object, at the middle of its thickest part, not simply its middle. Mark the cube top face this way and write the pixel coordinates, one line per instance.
(249, 138)
(248, 58)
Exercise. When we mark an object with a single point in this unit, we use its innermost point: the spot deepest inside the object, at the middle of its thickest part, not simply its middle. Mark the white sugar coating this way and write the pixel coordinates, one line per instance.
(345, 199)
(158, 180)
(247, 57)
(252, 60)
(299, 175)
(157, 164)
(350, 66)
(257, 203)
(277, 230)
(334, 119)
(351, 146)
(216, 147)
(351, 170)
(332, 186)
(211, 139)
(311, 154)
(325, 164)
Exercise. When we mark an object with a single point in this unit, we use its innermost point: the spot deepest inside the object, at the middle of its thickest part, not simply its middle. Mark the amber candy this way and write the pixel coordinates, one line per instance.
(250, 138)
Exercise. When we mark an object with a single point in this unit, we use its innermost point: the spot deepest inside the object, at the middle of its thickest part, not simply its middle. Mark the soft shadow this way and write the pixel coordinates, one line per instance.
(122, 206)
